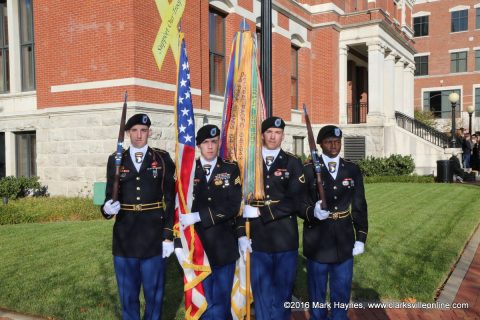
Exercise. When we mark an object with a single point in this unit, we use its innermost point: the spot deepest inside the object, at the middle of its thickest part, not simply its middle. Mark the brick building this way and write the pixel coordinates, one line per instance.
(447, 36)
(66, 64)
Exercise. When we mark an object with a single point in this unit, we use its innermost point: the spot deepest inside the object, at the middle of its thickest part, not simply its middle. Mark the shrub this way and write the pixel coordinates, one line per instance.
(395, 165)
(304, 158)
(425, 117)
(399, 179)
(13, 187)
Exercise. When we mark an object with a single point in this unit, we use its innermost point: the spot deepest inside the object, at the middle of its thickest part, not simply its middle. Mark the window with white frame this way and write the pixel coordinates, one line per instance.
(420, 26)
(459, 20)
(2, 155)
(216, 36)
(437, 102)
(294, 77)
(27, 48)
(458, 62)
(477, 60)
(4, 57)
(477, 102)
(421, 66)
(477, 18)
(26, 154)
(298, 145)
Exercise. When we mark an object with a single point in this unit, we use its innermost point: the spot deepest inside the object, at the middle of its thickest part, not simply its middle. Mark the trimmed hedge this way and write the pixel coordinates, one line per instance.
(400, 179)
(395, 165)
(43, 209)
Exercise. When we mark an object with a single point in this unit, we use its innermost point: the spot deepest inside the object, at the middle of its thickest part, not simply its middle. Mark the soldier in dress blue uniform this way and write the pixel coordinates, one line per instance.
(332, 237)
(273, 225)
(143, 229)
(217, 195)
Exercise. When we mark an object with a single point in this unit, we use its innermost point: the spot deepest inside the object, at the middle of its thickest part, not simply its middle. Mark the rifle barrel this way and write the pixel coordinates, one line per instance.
(118, 154)
(315, 159)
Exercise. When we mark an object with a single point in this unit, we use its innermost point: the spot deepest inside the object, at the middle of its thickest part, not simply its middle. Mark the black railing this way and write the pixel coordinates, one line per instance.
(357, 112)
(422, 130)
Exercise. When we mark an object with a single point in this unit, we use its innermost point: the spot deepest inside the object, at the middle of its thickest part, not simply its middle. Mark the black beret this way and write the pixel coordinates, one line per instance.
(139, 118)
(207, 132)
(328, 132)
(272, 122)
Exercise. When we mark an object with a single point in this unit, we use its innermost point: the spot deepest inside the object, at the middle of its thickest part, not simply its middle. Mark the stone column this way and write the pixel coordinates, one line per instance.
(342, 83)
(10, 165)
(376, 56)
(399, 81)
(408, 84)
(14, 46)
(389, 85)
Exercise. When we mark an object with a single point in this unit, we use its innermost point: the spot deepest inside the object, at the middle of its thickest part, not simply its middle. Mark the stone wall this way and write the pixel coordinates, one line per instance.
(73, 145)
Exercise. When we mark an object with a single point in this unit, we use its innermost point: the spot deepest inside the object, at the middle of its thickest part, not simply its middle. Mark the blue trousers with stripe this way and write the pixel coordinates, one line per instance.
(131, 273)
(340, 286)
(218, 290)
(272, 278)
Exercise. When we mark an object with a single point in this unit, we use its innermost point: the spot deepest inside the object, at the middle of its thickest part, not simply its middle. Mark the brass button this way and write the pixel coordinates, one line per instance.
(268, 177)
(267, 186)
(336, 208)
(138, 198)
(335, 188)
(138, 188)
(209, 199)
(268, 196)
(138, 178)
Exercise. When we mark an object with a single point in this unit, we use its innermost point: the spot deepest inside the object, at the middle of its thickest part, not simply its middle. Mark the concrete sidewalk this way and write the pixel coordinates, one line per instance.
(9, 315)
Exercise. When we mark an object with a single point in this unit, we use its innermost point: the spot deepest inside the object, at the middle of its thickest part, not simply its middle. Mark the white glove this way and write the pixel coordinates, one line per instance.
(358, 248)
(189, 219)
(111, 208)
(319, 213)
(244, 244)
(180, 255)
(250, 212)
(167, 247)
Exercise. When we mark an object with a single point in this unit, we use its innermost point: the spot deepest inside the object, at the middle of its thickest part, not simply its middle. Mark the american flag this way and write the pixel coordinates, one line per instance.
(196, 267)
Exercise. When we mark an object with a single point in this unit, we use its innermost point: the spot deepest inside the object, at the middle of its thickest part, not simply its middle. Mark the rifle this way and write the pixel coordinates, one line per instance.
(118, 154)
(315, 159)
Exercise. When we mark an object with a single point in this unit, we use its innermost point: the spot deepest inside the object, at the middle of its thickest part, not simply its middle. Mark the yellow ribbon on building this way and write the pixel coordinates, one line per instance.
(167, 36)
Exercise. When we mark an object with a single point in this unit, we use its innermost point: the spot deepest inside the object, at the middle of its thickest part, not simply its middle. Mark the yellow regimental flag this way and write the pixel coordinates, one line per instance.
(243, 114)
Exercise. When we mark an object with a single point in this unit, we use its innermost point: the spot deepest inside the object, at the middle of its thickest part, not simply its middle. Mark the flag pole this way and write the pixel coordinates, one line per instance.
(244, 28)
(247, 269)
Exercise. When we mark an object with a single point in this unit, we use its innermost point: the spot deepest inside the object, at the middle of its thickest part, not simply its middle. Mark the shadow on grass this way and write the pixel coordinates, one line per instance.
(173, 297)
(300, 289)
(109, 291)
(364, 294)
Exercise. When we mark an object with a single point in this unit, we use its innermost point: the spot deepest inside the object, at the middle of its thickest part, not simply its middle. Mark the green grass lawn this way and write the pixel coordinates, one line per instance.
(65, 270)
(417, 231)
